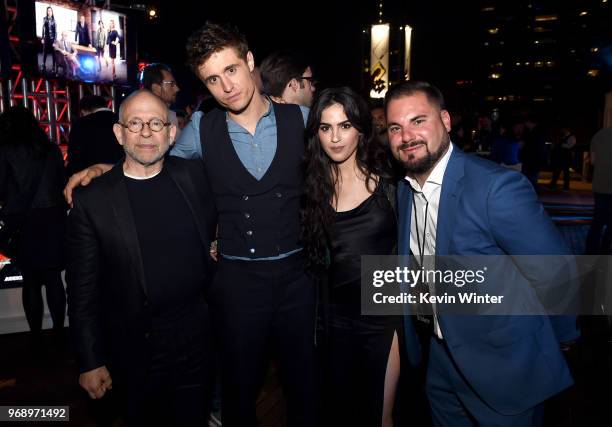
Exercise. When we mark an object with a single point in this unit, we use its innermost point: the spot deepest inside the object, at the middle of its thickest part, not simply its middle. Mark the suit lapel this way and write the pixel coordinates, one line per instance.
(182, 179)
(452, 187)
(124, 219)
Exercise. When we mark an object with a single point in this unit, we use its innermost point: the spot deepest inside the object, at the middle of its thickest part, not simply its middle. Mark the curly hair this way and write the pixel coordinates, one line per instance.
(213, 38)
(322, 174)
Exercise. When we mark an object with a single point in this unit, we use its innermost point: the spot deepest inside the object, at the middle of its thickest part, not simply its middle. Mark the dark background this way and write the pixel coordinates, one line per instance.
(329, 32)
(451, 48)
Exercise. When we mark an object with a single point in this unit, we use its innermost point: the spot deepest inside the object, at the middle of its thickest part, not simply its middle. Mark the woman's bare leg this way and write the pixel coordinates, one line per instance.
(391, 381)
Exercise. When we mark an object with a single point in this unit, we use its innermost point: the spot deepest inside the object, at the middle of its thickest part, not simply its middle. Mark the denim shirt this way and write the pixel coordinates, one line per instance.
(256, 151)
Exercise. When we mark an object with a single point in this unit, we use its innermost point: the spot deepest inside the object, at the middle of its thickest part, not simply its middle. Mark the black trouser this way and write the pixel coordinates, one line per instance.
(177, 385)
(561, 163)
(261, 307)
(33, 280)
(599, 239)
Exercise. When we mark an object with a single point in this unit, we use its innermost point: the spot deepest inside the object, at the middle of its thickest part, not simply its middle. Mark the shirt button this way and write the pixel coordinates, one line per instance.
(252, 250)
(247, 215)
(255, 145)
(146, 335)
(258, 169)
(249, 233)
(279, 195)
(245, 197)
(146, 303)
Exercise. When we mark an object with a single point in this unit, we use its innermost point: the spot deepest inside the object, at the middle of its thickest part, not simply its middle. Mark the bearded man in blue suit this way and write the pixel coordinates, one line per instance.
(482, 370)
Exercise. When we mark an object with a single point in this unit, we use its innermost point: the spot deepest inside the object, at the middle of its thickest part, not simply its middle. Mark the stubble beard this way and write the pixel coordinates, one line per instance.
(427, 163)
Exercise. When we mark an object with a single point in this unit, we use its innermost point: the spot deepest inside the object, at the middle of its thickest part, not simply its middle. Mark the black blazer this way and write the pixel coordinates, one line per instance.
(92, 141)
(107, 297)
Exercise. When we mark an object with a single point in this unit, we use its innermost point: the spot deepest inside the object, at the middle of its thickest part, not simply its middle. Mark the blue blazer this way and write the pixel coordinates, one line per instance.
(512, 362)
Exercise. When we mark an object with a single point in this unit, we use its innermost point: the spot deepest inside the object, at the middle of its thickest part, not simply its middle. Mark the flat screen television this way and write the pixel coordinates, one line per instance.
(80, 42)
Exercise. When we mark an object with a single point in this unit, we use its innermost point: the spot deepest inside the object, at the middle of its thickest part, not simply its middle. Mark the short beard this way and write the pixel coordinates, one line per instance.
(427, 163)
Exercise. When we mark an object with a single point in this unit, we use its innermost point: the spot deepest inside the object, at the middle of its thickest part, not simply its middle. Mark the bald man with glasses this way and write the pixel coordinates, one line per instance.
(137, 273)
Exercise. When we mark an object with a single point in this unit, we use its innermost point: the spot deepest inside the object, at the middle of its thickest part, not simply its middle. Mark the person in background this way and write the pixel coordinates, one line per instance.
(505, 147)
(533, 150)
(31, 180)
(158, 78)
(562, 158)
(379, 121)
(287, 78)
(91, 137)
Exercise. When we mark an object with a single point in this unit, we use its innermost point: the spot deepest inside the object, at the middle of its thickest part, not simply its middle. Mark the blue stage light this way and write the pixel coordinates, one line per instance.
(88, 64)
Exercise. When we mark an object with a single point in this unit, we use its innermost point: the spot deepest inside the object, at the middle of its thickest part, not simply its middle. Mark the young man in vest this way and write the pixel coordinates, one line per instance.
(261, 299)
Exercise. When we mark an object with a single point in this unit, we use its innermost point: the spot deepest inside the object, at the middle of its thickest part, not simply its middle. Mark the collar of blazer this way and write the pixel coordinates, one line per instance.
(124, 219)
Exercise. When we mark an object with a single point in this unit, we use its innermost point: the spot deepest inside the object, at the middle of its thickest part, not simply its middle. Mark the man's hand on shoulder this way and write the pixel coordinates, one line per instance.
(84, 177)
(96, 382)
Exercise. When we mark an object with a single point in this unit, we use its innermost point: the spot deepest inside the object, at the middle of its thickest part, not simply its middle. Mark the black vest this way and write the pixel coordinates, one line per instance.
(257, 219)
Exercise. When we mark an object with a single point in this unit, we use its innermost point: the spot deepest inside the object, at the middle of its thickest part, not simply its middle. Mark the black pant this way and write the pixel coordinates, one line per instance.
(177, 386)
(599, 239)
(33, 280)
(261, 307)
(561, 163)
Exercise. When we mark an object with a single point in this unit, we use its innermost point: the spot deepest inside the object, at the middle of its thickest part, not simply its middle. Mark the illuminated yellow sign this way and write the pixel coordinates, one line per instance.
(379, 60)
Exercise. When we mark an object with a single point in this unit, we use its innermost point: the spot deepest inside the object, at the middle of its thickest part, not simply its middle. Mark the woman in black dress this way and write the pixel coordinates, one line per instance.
(31, 182)
(49, 34)
(113, 40)
(348, 212)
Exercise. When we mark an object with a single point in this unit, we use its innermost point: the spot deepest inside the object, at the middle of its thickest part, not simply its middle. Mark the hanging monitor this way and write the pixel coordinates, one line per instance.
(82, 43)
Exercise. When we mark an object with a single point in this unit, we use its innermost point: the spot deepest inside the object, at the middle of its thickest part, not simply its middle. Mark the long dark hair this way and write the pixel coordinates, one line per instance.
(322, 174)
(47, 13)
(19, 127)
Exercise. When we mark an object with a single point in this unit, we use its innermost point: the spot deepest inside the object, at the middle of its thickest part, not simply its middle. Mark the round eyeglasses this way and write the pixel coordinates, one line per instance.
(136, 125)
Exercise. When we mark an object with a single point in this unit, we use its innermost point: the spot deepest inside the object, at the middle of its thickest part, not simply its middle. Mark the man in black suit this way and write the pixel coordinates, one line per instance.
(91, 138)
(138, 267)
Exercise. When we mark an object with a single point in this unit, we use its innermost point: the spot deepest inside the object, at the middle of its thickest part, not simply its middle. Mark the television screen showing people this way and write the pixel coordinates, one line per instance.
(86, 44)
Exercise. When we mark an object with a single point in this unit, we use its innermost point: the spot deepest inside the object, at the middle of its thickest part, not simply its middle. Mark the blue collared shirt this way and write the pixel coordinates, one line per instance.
(256, 151)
